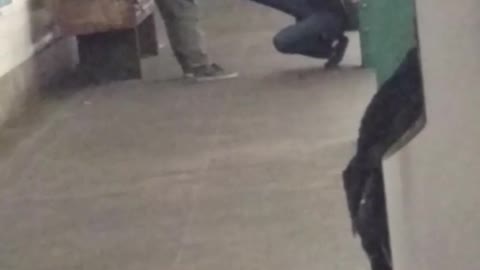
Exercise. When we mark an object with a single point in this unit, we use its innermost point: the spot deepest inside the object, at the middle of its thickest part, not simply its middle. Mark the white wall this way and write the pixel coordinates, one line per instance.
(18, 40)
(433, 185)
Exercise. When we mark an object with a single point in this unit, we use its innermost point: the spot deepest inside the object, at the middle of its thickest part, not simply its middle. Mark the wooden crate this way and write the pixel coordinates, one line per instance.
(113, 35)
(80, 17)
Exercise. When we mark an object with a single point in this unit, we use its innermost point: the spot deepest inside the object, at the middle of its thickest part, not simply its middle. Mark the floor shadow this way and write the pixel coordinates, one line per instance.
(303, 73)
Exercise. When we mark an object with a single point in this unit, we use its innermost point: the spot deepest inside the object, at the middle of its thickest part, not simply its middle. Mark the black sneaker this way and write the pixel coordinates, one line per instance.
(338, 52)
(210, 72)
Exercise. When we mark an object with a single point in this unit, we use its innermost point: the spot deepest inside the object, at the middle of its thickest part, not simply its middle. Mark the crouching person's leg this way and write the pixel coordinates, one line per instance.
(302, 38)
(313, 36)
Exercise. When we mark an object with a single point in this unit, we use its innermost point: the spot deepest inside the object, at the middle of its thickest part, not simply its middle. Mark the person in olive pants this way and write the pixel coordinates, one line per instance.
(181, 18)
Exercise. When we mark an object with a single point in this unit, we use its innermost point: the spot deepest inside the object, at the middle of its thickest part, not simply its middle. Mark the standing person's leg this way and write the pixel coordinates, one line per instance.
(181, 18)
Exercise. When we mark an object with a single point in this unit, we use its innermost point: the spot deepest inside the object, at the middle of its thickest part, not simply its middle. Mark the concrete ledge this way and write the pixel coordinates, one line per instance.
(23, 84)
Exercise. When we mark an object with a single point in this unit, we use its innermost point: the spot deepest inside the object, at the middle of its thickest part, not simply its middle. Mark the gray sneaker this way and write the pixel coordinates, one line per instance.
(210, 72)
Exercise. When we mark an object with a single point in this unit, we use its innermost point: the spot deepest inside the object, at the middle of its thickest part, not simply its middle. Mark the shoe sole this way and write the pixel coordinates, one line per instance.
(213, 78)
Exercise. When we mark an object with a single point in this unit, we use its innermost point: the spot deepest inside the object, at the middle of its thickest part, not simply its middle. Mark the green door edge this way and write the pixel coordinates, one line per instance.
(387, 32)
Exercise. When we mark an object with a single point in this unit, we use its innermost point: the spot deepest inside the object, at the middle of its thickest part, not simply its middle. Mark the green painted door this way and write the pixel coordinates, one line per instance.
(387, 31)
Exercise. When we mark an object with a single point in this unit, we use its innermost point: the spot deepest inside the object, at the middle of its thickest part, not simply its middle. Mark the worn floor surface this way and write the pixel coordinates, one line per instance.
(161, 174)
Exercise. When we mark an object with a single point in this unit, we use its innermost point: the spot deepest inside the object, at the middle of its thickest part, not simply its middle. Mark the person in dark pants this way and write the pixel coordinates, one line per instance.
(318, 31)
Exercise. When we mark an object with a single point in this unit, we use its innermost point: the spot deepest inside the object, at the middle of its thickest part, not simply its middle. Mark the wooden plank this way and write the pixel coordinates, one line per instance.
(92, 16)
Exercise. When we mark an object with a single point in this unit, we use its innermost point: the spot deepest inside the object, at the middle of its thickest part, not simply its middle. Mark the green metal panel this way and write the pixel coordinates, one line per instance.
(387, 31)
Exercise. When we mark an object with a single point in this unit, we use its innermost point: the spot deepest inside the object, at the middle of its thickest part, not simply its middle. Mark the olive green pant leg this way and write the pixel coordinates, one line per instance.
(181, 18)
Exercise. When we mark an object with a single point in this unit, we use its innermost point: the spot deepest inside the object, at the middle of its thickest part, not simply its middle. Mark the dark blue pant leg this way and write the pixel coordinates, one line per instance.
(311, 36)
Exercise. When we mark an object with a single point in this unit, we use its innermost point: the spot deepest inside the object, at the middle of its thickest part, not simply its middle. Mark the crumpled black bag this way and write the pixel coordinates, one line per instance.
(396, 109)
